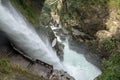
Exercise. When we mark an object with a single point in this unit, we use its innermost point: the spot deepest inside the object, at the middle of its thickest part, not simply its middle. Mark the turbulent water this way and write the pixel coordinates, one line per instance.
(76, 64)
(24, 36)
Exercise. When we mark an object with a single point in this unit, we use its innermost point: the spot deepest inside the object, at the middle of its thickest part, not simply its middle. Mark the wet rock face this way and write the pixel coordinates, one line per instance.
(3, 39)
(59, 48)
(62, 34)
(60, 75)
(80, 36)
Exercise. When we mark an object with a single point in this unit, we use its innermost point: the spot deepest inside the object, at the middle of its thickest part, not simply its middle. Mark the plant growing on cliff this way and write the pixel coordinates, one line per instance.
(5, 66)
(111, 68)
(30, 9)
(108, 44)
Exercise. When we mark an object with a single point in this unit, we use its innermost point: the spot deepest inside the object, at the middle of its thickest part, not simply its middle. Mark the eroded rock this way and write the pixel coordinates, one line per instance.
(60, 75)
(102, 34)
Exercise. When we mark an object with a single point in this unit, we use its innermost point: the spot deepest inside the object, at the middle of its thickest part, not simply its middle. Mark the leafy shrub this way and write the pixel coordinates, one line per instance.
(108, 44)
(111, 68)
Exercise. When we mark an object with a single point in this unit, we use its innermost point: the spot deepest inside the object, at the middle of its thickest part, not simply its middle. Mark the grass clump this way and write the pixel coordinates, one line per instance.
(5, 66)
(114, 4)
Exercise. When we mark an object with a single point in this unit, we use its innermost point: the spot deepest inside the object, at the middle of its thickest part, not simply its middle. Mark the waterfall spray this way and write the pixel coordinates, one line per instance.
(24, 36)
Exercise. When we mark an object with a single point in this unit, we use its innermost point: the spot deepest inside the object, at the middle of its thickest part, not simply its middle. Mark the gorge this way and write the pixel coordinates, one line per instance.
(37, 45)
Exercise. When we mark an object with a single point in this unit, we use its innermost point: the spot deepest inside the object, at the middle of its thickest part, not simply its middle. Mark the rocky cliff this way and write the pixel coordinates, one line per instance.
(97, 23)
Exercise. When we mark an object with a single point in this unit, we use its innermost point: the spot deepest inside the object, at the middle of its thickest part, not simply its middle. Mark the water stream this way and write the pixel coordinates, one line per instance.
(21, 33)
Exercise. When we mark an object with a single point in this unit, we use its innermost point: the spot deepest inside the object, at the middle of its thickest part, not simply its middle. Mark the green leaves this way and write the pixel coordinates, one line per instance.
(5, 66)
(108, 44)
(112, 68)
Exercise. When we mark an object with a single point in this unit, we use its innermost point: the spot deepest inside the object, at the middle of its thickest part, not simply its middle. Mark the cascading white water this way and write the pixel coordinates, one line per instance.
(76, 64)
(24, 36)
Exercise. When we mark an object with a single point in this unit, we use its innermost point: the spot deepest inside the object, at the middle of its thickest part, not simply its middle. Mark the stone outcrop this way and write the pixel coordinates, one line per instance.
(59, 48)
(60, 75)
(103, 34)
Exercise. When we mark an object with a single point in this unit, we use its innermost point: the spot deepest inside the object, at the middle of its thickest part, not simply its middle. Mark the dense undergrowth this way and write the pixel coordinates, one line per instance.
(111, 67)
(111, 60)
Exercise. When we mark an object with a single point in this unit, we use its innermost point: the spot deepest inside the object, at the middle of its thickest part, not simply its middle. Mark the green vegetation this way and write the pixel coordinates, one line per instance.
(114, 4)
(89, 15)
(111, 68)
(49, 6)
(111, 61)
(74, 6)
(108, 44)
(5, 66)
(30, 9)
(9, 71)
(45, 17)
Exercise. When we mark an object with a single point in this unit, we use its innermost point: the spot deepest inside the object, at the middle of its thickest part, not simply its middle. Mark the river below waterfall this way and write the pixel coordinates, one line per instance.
(77, 65)
(75, 62)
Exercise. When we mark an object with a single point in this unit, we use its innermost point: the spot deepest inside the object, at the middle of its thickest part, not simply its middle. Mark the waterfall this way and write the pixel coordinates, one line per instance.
(24, 36)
